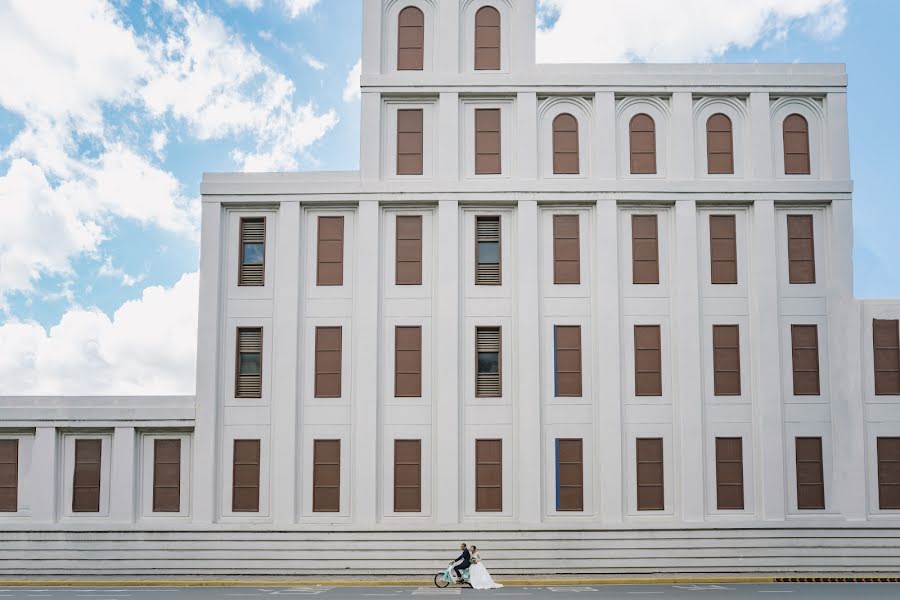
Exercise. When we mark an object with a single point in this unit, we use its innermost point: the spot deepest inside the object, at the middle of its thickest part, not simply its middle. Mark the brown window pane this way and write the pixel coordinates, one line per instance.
(810, 478)
(642, 143)
(729, 473)
(565, 144)
(569, 475)
(487, 39)
(801, 251)
(407, 475)
(245, 476)
(650, 491)
(409, 141)
(86, 480)
(409, 250)
(487, 141)
(644, 249)
(488, 264)
(488, 362)
(328, 362)
(252, 268)
(9, 475)
(722, 249)
(408, 362)
(886, 355)
(166, 475)
(327, 475)
(488, 475)
(330, 251)
(805, 357)
(248, 363)
(410, 39)
(647, 361)
(888, 473)
(719, 145)
(566, 250)
(796, 145)
(726, 360)
(567, 360)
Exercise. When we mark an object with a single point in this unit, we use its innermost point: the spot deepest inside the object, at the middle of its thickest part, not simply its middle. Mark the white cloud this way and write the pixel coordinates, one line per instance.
(158, 141)
(265, 34)
(107, 269)
(313, 62)
(684, 31)
(148, 347)
(250, 5)
(351, 88)
(295, 8)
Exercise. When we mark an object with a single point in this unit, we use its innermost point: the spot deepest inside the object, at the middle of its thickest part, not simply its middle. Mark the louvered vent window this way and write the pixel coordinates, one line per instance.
(249, 363)
(487, 251)
(487, 346)
(253, 251)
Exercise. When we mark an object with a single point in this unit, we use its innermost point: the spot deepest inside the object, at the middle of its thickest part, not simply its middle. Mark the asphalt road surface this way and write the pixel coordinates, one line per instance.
(803, 591)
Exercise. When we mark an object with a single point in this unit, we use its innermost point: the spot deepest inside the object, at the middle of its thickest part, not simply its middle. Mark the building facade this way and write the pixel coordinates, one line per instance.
(556, 302)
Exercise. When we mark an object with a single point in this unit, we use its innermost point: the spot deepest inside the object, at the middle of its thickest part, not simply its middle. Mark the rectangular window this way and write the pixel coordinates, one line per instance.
(567, 360)
(488, 380)
(801, 251)
(487, 251)
(489, 475)
(328, 362)
(409, 141)
(487, 141)
(569, 475)
(810, 477)
(650, 492)
(245, 476)
(330, 251)
(253, 251)
(729, 473)
(722, 249)
(408, 361)
(409, 250)
(9, 475)
(86, 480)
(726, 360)
(805, 358)
(326, 475)
(407, 475)
(886, 342)
(888, 473)
(644, 249)
(248, 382)
(166, 475)
(566, 250)
(647, 361)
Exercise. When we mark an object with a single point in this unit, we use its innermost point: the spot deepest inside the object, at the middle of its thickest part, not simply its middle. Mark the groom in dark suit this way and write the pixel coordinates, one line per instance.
(463, 559)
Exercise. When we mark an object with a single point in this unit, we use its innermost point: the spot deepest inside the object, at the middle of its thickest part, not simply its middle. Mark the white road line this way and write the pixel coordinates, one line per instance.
(775, 591)
(646, 592)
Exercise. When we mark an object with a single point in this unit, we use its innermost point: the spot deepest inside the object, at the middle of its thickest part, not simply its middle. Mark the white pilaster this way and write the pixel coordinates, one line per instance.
(760, 129)
(838, 138)
(447, 32)
(285, 344)
(364, 444)
(608, 397)
(526, 137)
(681, 148)
(44, 475)
(448, 495)
(123, 475)
(603, 143)
(688, 407)
(448, 136)
(206, 457)
(766, 369)
(370, 137)
(371, 37)
(527, 395)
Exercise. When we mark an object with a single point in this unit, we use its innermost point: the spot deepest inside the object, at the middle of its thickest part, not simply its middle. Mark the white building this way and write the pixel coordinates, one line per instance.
(592, 318)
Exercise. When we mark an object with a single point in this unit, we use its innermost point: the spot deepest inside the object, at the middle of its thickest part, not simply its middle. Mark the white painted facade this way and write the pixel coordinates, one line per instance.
(448, 418)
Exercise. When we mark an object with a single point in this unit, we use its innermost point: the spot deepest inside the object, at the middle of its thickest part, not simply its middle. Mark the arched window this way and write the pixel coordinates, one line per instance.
(719, 145)
(642, 143)
(796, 145)
(410, 39)
(565, 144)
(487, 39)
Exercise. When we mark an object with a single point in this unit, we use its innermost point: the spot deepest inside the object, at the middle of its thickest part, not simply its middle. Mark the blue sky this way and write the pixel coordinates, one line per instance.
(120, 106)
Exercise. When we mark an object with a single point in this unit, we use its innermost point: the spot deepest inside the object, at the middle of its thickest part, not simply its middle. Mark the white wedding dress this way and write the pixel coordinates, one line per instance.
(479, 578)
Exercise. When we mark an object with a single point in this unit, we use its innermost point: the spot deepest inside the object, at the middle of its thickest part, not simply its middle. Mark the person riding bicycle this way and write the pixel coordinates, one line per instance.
(464, 561)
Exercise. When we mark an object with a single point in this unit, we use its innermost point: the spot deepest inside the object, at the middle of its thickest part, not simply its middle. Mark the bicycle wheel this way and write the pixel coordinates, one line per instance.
(439, 580)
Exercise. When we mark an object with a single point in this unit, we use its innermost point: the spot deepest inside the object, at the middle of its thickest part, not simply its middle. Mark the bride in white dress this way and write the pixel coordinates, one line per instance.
(479, 578)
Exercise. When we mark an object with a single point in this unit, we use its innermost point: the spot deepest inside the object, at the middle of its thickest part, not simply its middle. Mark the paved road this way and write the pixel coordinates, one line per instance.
(805, 591)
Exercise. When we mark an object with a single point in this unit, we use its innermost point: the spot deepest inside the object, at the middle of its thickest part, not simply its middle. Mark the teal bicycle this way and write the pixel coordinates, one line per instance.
(445, 578)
